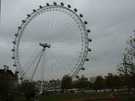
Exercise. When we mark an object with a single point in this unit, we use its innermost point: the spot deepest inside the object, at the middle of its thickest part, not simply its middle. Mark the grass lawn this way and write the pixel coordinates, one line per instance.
(86, 97)
(127, 98)
(72, 97)
(62, 97)
(83, 97)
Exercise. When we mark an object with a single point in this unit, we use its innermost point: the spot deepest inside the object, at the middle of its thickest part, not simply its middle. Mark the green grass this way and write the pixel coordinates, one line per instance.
(64, 97)
(20, 98)
(95, 97)
(127, 98)
(61, 97)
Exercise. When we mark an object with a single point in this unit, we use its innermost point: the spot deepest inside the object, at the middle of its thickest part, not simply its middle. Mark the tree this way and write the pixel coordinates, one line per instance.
(82, 83)
(8, 82)
(66, 82)
(99, 83)
(112, 81)
(127, 67)
(29, 90)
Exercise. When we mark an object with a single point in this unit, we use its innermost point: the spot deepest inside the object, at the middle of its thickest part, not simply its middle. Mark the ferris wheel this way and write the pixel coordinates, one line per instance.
(52, 40)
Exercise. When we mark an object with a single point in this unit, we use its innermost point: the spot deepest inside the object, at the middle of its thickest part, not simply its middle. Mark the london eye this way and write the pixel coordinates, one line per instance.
(51, 41)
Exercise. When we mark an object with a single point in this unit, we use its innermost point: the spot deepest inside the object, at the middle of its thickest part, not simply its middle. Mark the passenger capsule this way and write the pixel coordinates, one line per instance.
(16, 35)
(55, 3)
(86, 59)
(13, 57)
(62, 4)
(85, 22)
(13, 50)
(90, 40)
(75, 10)
(81, 15)
(34, 10)
(88, 31)
(28, 15)
(82, 68)
(89, 50)
(23, 21)
(69, 6)
(19, 27)
(14, 42)
(14, 65)
(47, 4)
(40, 6)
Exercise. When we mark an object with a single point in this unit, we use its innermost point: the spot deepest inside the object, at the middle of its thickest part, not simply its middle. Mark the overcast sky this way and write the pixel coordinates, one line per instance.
(111, 22)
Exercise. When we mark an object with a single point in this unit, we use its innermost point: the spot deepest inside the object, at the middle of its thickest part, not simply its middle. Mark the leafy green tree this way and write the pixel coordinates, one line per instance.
(132, 78)
(82, 83)
(8, 82)
(127, 67)
(99, 83)
(4, 89)
(117, 81)
(66, 82)
(29, 90)
(112, 81)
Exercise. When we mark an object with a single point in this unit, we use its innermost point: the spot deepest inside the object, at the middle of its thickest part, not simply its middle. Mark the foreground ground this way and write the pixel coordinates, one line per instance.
(86, 97)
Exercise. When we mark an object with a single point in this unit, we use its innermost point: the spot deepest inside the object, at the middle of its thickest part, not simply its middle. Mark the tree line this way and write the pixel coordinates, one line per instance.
(123, 79)
(110, 81)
